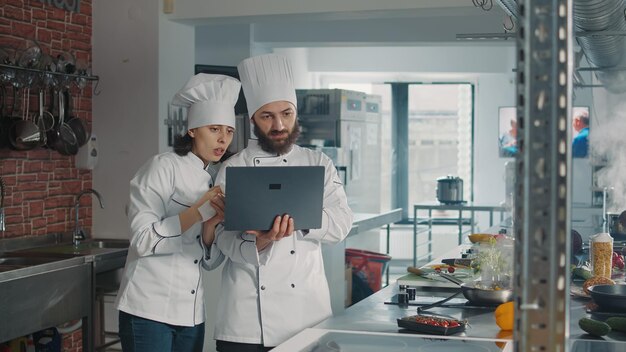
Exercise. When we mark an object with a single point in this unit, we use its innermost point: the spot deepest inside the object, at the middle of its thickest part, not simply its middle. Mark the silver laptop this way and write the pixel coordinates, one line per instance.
(256, 195)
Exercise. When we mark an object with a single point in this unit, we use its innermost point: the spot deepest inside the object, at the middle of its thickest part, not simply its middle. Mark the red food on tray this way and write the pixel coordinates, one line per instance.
(428, 324)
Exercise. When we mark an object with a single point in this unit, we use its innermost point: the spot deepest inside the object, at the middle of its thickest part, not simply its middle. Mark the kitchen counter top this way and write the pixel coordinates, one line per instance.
(373, 314)
(45, 281)
(368, 221)
(376, 314)
(356, 341)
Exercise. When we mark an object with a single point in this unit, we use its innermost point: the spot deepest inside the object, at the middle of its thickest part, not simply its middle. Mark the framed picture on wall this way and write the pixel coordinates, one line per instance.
(507, 131)
(580, 132)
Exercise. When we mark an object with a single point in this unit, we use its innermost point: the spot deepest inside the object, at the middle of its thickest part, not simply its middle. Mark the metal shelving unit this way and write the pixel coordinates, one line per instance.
(544, 89)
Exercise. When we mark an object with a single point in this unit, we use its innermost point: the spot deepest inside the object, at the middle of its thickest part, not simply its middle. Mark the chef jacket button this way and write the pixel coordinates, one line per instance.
(262, 287)
(293, 286)
(193, 292)
(197, 236)
(292, 252)
(284, 160)
(256, 161)
(195, 261)
(210, 185)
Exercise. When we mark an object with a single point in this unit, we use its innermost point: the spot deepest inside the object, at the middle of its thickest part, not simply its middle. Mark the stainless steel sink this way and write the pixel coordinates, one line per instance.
(38, 270)
(37, 292)
(11, 263)
(89, 247)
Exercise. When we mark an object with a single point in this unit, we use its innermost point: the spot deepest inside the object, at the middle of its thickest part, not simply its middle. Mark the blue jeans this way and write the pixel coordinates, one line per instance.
(145, 335)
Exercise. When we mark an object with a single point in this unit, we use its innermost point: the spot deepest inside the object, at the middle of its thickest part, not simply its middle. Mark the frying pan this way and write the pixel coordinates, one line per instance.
(480, 296)
(62, 138)
(4, 120)
(8, 119)
(77, 124)
(46, 119)
(609, 297)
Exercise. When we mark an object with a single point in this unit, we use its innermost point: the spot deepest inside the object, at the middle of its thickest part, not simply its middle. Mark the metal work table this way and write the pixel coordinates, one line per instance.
(373, 315)
(368, 221)
(459, 221)
(58, 285)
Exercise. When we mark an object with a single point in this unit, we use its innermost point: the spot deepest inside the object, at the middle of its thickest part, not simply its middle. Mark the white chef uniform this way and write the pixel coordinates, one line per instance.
(270, 296)
(162, 279)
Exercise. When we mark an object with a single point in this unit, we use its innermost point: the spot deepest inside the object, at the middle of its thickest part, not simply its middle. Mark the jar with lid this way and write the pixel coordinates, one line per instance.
(601, 253)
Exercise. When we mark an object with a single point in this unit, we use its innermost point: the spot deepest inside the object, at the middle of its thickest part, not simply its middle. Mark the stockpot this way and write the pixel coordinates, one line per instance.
(450, 190)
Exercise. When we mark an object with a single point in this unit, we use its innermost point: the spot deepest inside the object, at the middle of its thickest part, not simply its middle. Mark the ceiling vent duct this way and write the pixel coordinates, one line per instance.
(605, 52)
(510, 7)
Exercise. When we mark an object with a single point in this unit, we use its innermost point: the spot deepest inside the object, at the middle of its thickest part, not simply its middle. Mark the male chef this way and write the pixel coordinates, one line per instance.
(273, 282)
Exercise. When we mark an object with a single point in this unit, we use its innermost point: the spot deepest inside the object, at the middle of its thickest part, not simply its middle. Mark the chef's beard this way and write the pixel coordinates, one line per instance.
(270, 146)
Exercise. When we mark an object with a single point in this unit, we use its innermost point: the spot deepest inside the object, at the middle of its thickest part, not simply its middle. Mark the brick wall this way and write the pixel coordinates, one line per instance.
(41, 183)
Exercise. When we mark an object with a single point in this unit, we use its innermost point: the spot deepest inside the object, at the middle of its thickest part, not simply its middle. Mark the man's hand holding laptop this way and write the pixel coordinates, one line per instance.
(282, 227)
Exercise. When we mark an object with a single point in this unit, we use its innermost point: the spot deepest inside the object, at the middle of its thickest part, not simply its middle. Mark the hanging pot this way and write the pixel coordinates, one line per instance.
(5, 123)
(78, 125)
(450, 190)
(24, 133)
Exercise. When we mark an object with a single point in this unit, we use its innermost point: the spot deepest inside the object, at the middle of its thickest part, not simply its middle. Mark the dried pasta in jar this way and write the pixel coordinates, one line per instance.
(601, 252)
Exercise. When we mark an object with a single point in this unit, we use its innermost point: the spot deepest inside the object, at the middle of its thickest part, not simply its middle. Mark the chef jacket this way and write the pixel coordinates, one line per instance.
(163, 274)
(269, 296)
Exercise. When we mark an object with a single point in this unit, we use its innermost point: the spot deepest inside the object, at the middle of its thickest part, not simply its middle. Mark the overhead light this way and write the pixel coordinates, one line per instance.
(485, 36)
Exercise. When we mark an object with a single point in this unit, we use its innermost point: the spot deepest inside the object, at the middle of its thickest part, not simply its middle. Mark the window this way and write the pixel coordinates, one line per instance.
(439, 142)
(440, 138)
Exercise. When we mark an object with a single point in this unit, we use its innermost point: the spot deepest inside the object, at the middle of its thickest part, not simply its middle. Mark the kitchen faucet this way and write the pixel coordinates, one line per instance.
(79, 234)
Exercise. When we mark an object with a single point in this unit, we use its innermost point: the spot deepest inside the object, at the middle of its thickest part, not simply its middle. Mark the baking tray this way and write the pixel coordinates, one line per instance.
(410, 324)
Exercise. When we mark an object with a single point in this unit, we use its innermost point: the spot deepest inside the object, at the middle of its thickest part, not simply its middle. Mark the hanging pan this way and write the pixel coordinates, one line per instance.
(24, 133)
(78, 125)
(62, 138)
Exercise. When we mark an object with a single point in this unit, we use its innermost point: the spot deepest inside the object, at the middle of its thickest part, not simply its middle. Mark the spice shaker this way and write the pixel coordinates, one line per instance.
(601, 253)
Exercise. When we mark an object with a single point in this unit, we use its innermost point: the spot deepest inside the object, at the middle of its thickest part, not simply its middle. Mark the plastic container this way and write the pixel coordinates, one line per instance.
(48, 340)
(368, 265)
(601, 254)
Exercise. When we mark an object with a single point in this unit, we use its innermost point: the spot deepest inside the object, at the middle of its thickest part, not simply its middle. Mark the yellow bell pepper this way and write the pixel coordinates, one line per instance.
(505, 335)
(505, 315)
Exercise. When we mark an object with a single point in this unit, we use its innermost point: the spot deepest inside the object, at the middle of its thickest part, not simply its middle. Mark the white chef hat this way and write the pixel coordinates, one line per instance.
(265, 79)
(210, 98)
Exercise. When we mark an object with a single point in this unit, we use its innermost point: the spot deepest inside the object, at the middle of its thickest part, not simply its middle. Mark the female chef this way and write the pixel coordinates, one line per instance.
(173, 211)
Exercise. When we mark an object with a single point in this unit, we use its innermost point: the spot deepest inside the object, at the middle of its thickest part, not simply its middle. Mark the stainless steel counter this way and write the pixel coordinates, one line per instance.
(368, 221)
(374, 315)
(45, 295)
(53, 282)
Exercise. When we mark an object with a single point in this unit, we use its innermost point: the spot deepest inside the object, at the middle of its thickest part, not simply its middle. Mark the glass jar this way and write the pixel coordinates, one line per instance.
(601, 254)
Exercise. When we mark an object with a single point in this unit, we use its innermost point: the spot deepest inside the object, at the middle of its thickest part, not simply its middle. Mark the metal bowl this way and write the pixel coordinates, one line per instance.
(485, 297)
(609, 297)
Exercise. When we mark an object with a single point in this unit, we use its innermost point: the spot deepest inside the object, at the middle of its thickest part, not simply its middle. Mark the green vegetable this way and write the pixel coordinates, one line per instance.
(617, 323)
(582, 273)
(594, 327)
